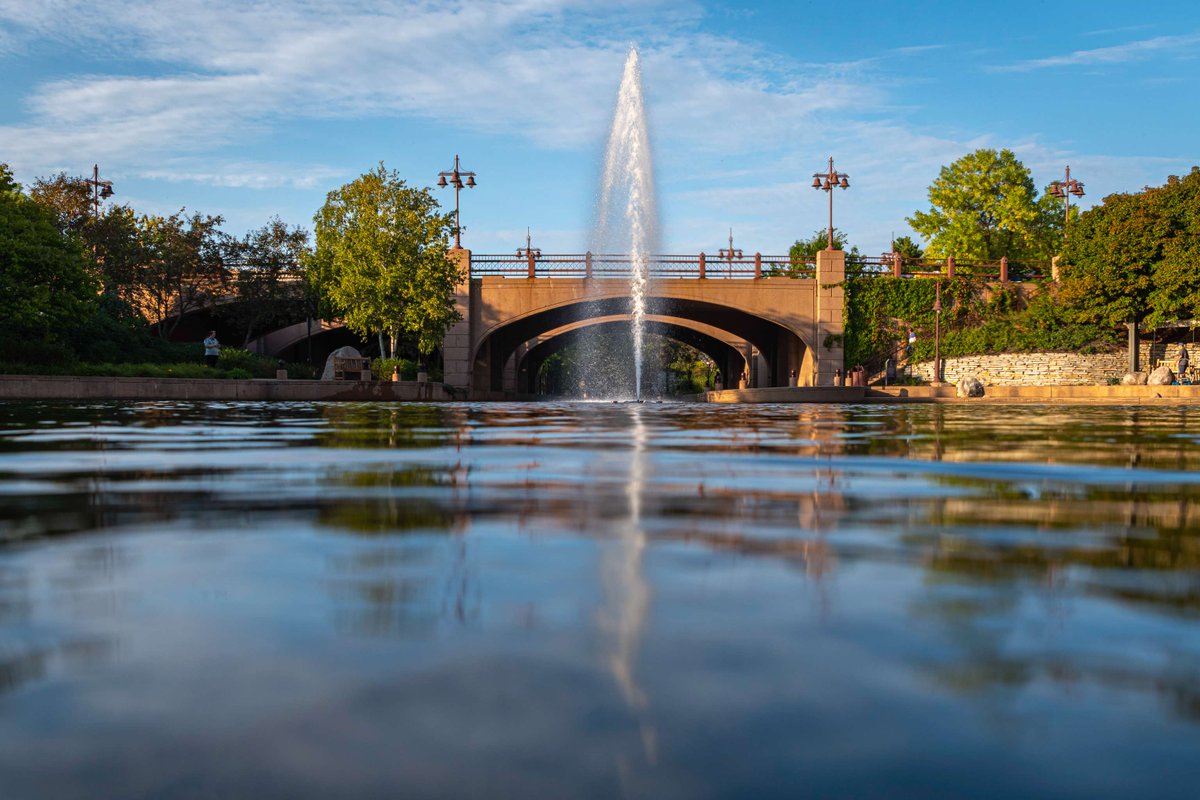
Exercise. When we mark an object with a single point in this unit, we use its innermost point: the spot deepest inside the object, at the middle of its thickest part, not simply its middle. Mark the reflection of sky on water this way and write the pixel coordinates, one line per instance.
(595, 600)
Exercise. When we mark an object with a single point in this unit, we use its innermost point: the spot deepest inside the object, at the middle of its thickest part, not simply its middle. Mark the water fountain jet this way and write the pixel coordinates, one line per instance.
(627, 212)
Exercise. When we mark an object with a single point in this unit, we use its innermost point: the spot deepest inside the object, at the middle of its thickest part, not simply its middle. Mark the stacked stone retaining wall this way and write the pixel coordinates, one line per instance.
(1046, 369)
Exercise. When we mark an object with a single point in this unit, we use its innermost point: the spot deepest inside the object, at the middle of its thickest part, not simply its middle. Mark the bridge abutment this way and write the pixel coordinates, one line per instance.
(456, 347)
(828, 321)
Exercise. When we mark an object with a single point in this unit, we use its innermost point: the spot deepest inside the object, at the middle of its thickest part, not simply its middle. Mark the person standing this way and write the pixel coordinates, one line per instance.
(1181, 366)
(212, 349)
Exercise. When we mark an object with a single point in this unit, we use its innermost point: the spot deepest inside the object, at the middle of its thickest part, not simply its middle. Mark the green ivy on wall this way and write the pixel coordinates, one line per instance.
(977, 318)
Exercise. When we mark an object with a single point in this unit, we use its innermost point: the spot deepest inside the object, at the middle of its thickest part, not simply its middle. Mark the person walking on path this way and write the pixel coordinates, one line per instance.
(212, 349)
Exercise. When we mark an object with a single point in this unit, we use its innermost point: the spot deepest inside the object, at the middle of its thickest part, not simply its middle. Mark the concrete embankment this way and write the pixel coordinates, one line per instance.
(1121, 395)
(62, 387)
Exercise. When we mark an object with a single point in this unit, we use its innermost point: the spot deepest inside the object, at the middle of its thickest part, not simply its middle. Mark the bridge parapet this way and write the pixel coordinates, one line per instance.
(609, 265)
(889, 266)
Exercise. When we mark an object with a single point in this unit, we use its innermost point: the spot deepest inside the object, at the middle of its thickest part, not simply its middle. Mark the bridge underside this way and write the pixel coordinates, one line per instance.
(731, 355)
(782, 351)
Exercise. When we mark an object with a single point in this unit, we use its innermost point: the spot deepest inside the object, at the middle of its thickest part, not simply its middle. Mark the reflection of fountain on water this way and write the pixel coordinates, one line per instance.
(627, 596)
(627, 213)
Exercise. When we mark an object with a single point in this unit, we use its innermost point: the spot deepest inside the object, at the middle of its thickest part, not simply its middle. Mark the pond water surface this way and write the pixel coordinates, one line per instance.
(591, 600)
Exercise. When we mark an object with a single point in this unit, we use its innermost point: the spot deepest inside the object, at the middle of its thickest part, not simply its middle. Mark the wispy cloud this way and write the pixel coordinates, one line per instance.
(1116, 54)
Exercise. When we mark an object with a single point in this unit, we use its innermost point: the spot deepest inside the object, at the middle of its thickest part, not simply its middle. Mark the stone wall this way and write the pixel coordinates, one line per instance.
(1046, 369)
(62, 387)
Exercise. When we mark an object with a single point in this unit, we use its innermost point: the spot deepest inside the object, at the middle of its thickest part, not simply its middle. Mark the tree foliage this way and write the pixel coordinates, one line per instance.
(983, 207)
(181, 266)
(1136, 257)
(268, 286)
(381, 259)
(907, 248)
(805, 250)
(45, 285)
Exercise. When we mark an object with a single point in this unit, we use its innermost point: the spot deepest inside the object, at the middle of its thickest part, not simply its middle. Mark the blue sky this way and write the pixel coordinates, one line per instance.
(250, 110)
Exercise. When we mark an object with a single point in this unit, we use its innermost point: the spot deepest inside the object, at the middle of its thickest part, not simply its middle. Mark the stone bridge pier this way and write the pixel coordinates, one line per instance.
(768, 327)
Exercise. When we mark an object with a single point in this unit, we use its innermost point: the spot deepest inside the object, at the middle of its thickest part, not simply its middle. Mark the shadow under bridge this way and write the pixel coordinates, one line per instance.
(770, 350)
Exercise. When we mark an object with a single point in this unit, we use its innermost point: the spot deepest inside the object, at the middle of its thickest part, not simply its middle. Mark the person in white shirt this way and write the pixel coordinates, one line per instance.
(212, 349)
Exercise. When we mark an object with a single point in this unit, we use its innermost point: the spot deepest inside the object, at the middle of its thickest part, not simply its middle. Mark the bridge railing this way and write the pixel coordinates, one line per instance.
(609, 265)
(888, 266)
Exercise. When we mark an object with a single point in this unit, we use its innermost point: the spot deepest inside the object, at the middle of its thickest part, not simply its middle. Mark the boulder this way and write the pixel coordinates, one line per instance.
(341, 352)
(1163, 376)
(1134, 379)
(970, 387)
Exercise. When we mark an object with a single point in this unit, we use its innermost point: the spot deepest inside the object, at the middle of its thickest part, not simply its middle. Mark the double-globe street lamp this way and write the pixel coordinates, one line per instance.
(101, 190)
(730, 254)
(454, 177)
(826, 181)
(1065, 188)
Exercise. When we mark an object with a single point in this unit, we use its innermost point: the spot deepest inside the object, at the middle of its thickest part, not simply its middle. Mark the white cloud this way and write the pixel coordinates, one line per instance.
(208, 80)
(1116, 54)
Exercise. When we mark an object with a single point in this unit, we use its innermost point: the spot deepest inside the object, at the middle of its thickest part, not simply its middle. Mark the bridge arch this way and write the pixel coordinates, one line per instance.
(731, 354)
(783, 349)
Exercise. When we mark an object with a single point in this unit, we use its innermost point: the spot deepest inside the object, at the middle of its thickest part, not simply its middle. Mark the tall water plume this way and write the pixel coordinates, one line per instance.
(627, 212)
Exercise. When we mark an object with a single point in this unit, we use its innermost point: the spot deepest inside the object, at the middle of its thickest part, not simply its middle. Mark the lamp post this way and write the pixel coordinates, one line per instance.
(101, 190)
(937, 336)
(456, 176)
(826, 181)
(529, 252)
(730, 254)
(529, 249)
(1064, 189)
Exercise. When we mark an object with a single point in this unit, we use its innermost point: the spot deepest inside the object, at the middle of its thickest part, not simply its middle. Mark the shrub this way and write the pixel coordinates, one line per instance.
(382, 369)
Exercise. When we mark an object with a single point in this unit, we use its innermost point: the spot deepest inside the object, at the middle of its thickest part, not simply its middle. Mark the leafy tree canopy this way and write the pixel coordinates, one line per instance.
(805, 250)
(907, 248)
(1136, 257)
(381, 259)
(44, 280)
(984, 206)
(269, 289)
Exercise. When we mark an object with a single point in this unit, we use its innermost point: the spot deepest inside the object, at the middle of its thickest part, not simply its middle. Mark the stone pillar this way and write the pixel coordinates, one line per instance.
(830, 305)
(456, 346)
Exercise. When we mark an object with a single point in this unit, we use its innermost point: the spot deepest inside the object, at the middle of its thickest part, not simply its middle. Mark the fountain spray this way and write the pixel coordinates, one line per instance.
(627, 213)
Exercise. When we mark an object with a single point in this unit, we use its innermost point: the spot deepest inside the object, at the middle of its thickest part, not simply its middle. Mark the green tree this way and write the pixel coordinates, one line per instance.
(44, 282)
(70, 198)
(269, 286)
(381, 260)
(180, 266)
(1133, 258)
(907, 248)
(984, 206)
(804, 251)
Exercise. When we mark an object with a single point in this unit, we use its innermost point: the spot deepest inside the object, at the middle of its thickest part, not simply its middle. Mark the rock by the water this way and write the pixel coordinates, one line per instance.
(1163, 376)
(970, 387)
(1134, 379)
(341, 352)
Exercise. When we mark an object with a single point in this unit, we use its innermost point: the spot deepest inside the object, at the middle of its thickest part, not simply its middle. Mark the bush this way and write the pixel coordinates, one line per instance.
(382, 369)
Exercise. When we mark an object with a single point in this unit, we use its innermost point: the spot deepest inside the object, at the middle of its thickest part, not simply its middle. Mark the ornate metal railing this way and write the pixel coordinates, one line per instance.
(745, 267)
(607, 265)
(996, 271)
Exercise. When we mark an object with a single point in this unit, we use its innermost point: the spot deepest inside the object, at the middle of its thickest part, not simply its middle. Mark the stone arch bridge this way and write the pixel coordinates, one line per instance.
(761, 316)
